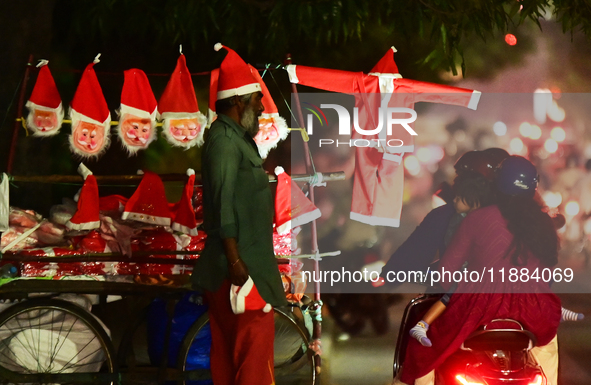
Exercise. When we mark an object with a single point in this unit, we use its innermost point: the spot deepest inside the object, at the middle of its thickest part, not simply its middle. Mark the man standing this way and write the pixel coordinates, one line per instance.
(238, 219)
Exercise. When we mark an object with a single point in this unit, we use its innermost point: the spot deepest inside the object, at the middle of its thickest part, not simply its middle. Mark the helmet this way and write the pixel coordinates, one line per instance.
(476, 161)
(495, 156)
(517, 176)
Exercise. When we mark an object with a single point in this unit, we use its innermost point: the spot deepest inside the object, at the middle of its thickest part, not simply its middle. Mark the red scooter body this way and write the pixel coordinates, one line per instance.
(496, 354)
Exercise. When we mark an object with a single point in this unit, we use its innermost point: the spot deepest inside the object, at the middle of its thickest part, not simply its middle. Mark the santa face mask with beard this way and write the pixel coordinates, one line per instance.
(136, 133)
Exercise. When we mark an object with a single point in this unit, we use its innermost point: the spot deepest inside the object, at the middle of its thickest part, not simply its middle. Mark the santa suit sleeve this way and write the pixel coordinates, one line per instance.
(325, 79)
(439, 93)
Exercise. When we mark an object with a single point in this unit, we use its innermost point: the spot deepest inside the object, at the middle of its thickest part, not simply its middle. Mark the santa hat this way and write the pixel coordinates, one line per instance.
(183, 212)
(235, 78)
(137, 99)
(87, 215)
(89, 105)
(247, 297)
(148, 203)
(179, 102)
(292, 207)
(273, 128)
(45, 97)
(386, 65)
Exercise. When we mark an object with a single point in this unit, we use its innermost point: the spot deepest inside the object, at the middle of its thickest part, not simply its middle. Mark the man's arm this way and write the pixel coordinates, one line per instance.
(223, 160)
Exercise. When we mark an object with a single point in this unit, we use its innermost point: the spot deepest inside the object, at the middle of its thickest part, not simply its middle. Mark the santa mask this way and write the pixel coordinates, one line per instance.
(136, 132)
(43, 122)
(183, 131)
(88, 139)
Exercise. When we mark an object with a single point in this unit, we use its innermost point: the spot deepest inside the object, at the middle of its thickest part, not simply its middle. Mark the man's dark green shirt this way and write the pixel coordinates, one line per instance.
(237, 203)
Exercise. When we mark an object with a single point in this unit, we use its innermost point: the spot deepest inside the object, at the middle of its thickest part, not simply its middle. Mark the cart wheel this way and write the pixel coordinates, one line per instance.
(53, 336)
(294, 361)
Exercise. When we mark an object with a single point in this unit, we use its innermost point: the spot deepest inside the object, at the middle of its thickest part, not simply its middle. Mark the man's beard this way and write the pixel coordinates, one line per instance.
(250, 121)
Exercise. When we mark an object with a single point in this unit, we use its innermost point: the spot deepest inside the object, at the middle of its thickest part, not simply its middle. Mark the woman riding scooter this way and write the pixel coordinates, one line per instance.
(514, 233)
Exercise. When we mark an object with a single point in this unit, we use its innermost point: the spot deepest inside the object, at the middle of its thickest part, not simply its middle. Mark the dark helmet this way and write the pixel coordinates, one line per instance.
(475, 161)
(517, 176)
(496, 156)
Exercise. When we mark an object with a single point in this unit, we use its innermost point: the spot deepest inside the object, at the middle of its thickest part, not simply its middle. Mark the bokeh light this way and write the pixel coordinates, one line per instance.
(500, 128)
(552, 199)
(510, 39)
(424, 155)
(412, 165)
(558, 134)
(516, 145)
(572, 208)
(536, 132)
(551, 146)
(525, 129)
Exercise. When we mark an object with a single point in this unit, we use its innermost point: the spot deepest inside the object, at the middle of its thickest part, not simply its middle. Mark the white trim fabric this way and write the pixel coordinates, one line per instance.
(242, 90)
(291, 71)
(374, 221)
(473, 104)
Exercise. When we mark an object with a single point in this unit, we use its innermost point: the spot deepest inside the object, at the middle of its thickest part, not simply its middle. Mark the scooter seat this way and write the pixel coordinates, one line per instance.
(500, 339)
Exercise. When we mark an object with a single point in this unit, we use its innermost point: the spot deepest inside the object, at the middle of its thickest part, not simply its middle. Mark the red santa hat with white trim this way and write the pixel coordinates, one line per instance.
(247, 297)
(89, 105)
(235, 78)
(148, 203)
(183, 214)
(87, 214)
(272, 127)
(179, 102)
(292, 207)
(45, 98)
(386, 65)
(137, 99)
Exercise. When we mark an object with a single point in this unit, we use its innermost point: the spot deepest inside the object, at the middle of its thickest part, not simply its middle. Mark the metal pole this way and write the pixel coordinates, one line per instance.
(19, 111)
(317, 330)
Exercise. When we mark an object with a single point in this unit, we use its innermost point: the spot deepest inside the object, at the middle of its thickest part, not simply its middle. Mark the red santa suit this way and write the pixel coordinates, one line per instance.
(379, 177)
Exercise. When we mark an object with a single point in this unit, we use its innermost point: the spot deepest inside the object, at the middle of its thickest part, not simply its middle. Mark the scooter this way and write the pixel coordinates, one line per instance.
(496, 354)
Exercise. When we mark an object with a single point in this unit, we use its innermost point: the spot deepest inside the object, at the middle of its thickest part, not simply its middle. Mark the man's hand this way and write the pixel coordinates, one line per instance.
(238, 273)
(236, 266)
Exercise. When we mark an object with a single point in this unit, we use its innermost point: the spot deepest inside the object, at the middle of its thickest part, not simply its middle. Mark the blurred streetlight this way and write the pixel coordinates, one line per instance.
(500, 128)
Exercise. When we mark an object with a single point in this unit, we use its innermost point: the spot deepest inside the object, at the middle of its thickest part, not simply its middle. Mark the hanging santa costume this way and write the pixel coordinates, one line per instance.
(137, 121)
(46, 112)
(91, 119)
(183, 122)
(272, 127)
(379, 175)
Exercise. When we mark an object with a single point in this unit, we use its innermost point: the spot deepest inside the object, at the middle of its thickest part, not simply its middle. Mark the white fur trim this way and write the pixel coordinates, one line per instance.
(284, 228)
(267, 308)
(279, 170)
(393, 49)
(4, 203)
(242, 90)
(151, 219)
(190, 172)
(306, 218)
(474, 100)
(184, 229)
(238, 294)
(83, 226)
(59, 111)
(386, 76)
(392, 157)
(374, 221)
(97, 59)
(291, 71)
(76, 118)
(42, 62)
(211, 116)
(125, 109)
(84, 171)
(198, 140)
(218, 46)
